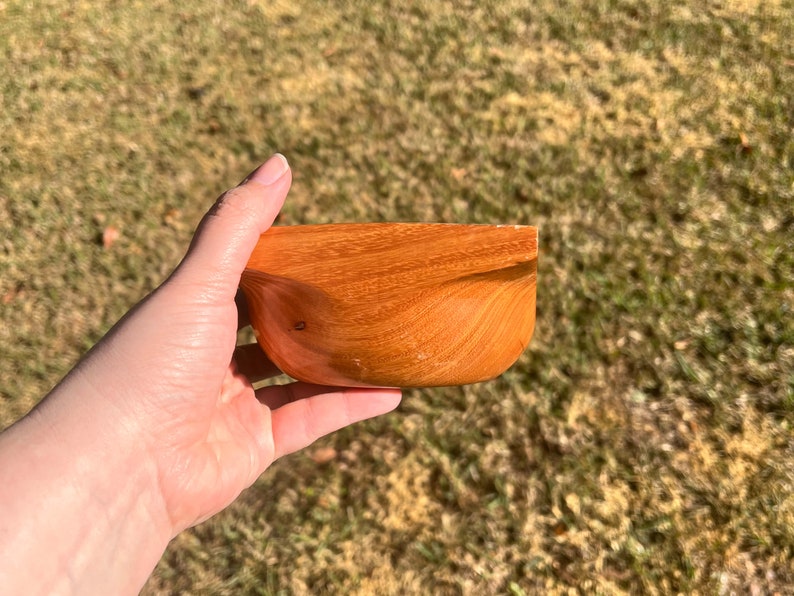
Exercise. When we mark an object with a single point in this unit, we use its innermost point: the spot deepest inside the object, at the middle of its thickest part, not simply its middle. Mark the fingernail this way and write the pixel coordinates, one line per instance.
(270, 171)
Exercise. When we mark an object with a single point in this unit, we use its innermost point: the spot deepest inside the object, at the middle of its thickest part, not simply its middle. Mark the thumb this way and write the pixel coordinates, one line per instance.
(229, 231)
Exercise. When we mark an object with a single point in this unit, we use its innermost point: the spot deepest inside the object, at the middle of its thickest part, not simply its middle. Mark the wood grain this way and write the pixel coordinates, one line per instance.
(393, 304)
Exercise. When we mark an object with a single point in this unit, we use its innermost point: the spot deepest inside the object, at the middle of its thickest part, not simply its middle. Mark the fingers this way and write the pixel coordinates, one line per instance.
(308, 412)
(253, 363)
(228, 233)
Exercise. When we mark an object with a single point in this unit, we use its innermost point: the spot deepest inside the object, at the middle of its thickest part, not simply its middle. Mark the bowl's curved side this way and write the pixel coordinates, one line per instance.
(405, 305)
(290, 323)
(463, 331)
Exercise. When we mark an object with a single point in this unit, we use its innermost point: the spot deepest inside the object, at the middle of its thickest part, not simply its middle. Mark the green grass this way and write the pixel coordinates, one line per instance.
(643, 444)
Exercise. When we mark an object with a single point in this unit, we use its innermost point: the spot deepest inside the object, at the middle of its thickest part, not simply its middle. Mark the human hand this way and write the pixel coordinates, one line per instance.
(170, 374)
(158, 427)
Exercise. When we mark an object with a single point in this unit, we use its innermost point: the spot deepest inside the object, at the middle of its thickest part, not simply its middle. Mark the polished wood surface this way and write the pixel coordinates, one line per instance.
(393, 304)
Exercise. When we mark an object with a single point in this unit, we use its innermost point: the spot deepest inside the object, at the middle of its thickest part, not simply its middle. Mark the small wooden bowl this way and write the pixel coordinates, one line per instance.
(393, 304)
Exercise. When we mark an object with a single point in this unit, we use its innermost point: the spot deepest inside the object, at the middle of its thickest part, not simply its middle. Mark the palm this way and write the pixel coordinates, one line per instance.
(216, 450)
(216, 437)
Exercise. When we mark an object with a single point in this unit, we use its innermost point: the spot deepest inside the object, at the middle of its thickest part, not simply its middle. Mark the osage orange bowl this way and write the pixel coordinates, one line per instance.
(393, 304)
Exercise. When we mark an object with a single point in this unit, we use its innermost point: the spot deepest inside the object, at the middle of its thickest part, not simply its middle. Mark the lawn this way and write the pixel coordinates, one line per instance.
(642, 444)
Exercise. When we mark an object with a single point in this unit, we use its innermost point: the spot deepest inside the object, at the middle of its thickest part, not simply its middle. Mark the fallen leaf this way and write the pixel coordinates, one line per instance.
(12, 294)
(109, 235)
(458, 173)
(744, 144)
(323, 455)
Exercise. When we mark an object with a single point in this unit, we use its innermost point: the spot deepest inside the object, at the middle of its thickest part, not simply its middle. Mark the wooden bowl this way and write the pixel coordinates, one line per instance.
(393, 304)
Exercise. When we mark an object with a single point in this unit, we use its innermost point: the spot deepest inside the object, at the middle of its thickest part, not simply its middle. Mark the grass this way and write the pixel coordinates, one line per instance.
(643, 444)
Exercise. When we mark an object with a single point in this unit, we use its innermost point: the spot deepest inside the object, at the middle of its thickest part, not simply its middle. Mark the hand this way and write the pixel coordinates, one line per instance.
(158, 428)
(175, 381)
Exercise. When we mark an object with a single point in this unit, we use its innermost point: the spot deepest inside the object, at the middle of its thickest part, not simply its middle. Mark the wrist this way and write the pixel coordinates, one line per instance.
(72, 481)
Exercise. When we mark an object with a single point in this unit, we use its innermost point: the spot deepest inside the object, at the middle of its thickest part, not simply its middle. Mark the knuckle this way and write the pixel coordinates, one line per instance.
(234, 202)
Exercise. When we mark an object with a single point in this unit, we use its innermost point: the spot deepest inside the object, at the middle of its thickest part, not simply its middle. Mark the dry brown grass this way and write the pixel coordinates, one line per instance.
(642, 445)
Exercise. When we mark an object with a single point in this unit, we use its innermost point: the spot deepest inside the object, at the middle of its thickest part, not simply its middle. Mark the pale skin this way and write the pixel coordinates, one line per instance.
(159, 427)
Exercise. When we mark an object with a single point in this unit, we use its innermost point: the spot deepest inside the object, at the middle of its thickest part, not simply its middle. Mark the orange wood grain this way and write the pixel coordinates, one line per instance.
(393, 304)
